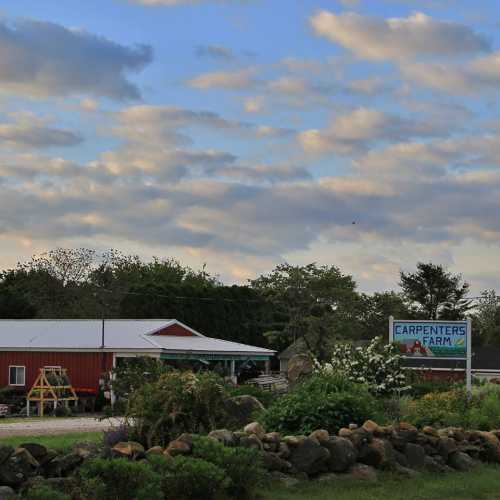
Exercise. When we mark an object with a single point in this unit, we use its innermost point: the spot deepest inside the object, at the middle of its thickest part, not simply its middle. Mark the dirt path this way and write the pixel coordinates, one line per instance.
(34, 427)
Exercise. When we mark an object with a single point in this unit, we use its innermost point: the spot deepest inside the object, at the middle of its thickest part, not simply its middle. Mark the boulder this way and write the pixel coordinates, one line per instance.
(406, 431)
(433, 465)
(430, 431)
(400, 458)
(362, 472)
(460, 461)
(272, 437)
(309, 457)
(223, 436)
(293, 441)
(242, 409)
(299, 366)
(272, 462)
(371, 426)
(415, 455)
(37, 451)
(11, 474)
(345, 432)
(7, 493)
(128, 449)
(6, 451)
(251, 441)
(25, 456)
(360, 436)
(284, 451)
(321, 436)
(405, 471)
(256, 429)
(379, 453)
(343, 454)
(178, 447)
(86, 450)
(446, 446)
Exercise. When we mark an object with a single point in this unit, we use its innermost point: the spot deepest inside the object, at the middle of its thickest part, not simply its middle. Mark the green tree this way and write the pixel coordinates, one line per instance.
(315, 303)
(375, 310)
(435, 293)
(487, 318)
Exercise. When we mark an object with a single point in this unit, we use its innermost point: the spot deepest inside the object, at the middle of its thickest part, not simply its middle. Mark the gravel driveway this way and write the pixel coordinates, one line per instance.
(56, 426)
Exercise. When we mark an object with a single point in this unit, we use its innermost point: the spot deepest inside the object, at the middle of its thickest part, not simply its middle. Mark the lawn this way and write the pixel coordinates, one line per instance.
(481, 484)
(56, 441)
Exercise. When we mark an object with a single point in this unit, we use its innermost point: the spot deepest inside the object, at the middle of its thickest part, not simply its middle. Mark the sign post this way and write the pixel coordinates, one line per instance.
(429, 339)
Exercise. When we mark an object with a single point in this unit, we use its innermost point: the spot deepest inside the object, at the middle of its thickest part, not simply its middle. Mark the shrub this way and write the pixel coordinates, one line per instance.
(134, 373)
(422, 384)
(242, 466)
(189, 478)
(44, 492)
(377, 365)
(110, 479)
(484, 413)
(177, 402)
(326, 401)
(438, 409)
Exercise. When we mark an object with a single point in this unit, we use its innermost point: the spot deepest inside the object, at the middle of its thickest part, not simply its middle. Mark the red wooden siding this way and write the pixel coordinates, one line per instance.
(84, 368)
(175, 330)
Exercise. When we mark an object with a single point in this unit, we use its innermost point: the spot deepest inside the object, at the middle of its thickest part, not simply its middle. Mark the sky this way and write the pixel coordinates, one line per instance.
(244, 133)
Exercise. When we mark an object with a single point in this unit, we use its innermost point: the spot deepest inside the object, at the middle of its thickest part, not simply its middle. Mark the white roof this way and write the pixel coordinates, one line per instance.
(129, 335)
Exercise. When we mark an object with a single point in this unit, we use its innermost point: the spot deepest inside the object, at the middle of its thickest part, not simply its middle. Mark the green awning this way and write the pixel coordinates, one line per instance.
(214, 357)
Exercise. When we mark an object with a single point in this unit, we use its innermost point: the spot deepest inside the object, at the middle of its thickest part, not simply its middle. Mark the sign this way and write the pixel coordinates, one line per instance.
(434, 340)
(442, 339)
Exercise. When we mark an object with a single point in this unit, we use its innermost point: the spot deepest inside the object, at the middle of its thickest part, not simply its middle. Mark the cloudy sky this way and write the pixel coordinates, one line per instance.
(242, 133)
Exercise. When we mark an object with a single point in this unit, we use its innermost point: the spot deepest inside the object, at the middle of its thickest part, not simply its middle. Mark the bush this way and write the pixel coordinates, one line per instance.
(377, 365)
(438, 409)
(422, 385)
(44, 492)
(188, 478)
(242, 466)
(177, 402)
(110, 479)
(325, 401)
(134, 373)
(484, 413)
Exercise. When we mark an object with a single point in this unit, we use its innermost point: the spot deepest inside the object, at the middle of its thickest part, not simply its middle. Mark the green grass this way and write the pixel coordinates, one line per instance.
(482, 483)
(57, 441)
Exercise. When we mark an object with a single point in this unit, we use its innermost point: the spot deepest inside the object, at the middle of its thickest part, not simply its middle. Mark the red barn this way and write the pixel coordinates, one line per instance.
(89, 348)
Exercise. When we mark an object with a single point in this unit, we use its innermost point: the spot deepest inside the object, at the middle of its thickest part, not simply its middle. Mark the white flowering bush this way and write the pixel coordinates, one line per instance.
(377, 365)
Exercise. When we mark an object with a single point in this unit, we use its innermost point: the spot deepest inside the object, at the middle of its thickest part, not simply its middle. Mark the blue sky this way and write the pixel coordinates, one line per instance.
(244, 133)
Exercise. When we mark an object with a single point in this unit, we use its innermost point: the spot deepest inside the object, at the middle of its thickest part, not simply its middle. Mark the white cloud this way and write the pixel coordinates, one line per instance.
(46, 59)
(27, 131)
(398, 38)
(232, 80)
(354, 132)
(473, 77)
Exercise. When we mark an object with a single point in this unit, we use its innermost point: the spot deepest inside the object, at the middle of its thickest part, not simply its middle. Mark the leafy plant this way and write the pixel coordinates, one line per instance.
(112, 479)
(377, 365)
(188, 478)
(177, 402)
(325, 400)
(243, 466)
(44, 492)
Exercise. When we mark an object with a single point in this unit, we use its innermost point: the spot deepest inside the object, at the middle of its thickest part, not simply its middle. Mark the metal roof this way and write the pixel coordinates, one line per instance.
(130, 335)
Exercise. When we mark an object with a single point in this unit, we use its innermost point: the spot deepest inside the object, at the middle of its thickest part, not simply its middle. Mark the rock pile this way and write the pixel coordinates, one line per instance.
(357, 452)
(32, 462)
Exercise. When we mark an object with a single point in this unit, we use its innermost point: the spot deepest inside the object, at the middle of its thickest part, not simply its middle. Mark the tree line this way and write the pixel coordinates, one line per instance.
(316, 304)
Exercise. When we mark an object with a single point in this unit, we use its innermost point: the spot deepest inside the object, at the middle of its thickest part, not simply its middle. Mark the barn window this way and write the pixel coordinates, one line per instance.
(17, 375)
